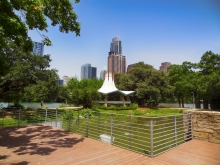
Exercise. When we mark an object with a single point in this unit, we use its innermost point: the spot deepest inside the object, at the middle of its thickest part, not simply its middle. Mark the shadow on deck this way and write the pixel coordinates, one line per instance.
(43, 144)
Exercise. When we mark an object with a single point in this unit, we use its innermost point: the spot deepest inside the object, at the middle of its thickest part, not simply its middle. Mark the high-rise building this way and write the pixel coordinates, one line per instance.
(87, 71)
(94, 71)
(38, 48)
(102, 74)
(164, 66)
(116, 45)
(116, 63)
(60, 82)
(129, 67)
(65, 79)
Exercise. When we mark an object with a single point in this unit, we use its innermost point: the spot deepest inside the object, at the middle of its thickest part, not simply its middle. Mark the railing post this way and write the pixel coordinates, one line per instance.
(151, 137)
(99, 125)
(69, 121)
(87, 121)
(19, 116)
(78, 119)
(56, 118)
(175, 132)
(191, 123)
(46, 115)
(111, 133)
(184, 132)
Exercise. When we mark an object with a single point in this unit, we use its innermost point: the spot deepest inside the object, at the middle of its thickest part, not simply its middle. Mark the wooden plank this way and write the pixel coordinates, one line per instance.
(42, 144)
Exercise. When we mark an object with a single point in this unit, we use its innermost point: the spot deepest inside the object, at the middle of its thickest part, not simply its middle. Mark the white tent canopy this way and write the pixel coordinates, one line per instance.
(109, 86)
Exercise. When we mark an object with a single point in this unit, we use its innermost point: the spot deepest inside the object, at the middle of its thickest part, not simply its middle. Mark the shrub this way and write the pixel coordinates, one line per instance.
(68, 114)
(133, 106)
(62, 105)
(112, 107)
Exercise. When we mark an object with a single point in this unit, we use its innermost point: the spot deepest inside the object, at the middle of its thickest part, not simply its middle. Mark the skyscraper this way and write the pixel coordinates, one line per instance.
(102, 74)
(116, 46)
(87, 71)
(65, 80)
(116, 63)
(38, 48)
(164, 66)
(94, 70)
(60, 82)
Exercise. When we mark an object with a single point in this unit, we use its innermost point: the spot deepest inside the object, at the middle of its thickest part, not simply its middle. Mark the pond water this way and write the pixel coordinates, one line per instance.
(35, 105)
(56, 105)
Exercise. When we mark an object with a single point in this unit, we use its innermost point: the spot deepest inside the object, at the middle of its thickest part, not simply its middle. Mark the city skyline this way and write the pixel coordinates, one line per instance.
(87, 71)
(152, 31)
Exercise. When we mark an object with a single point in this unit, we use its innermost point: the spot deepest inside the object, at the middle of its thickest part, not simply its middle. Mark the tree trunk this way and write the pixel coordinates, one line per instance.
(198, 105)
(179, 102)
(205, 104)
(182, 99)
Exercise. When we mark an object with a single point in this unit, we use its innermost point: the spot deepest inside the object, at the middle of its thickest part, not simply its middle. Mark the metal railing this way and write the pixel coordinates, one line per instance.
(150, 136)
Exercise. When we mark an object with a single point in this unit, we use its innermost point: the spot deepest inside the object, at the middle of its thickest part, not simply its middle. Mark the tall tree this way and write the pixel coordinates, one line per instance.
(151, 85)
(84, 92)
(209, 66)
(19, 16)
(183, 77)
(25, 71)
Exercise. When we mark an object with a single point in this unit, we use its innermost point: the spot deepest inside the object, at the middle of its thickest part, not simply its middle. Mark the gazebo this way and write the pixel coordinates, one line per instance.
(108, 87)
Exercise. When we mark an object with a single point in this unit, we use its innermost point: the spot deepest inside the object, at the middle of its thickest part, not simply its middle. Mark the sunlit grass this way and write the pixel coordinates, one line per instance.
(147, 111)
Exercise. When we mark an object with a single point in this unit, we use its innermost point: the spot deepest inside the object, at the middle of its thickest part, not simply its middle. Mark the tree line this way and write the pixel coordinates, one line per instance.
(27, 77)
(185, 83)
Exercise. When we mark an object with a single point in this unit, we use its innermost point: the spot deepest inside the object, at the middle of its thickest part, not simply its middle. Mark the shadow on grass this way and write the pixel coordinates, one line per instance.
(39, 139)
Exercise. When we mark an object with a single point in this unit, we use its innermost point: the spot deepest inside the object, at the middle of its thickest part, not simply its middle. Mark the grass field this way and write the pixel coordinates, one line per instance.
(147, 111)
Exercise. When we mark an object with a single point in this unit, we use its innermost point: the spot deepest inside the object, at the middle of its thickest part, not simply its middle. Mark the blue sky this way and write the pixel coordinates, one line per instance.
(153, 31)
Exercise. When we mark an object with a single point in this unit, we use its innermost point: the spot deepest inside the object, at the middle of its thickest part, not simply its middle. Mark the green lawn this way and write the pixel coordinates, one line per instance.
(147, 111)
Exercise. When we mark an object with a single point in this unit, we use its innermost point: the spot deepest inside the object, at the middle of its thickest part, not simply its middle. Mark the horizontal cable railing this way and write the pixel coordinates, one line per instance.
(150, 136)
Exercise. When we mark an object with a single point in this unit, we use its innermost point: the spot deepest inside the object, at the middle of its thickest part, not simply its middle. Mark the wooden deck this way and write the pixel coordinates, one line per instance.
(46, 145)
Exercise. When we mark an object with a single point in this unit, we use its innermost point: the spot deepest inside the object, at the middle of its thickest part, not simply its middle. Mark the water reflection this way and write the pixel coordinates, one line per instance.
(35, 105)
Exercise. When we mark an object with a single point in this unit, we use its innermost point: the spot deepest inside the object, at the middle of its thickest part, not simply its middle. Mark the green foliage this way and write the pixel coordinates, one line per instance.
(152, 86)
(201, 79)
(115, 107)
(68, 114)
(28, 77)
(86, 112)
(17, 16)
(185, 80)
(83, 92)
(62, 105)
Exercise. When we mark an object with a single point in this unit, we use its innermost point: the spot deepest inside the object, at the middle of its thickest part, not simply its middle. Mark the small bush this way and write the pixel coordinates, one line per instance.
(133, 106)
(62, 105)
(112, 107)
(68, 115)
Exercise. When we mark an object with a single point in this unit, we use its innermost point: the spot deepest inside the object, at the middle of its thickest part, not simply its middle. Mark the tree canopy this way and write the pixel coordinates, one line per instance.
(19, 16)
(151, 85)
(25, 70)
(83, 92)
(199, 80)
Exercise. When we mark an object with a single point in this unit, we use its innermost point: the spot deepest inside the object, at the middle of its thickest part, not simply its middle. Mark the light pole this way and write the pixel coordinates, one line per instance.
(193, 100)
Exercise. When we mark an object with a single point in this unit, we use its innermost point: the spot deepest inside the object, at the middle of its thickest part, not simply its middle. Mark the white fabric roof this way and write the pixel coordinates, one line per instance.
(109, 86)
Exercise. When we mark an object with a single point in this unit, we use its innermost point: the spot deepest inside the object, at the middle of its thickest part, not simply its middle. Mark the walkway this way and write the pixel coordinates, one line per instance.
(46, 145)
